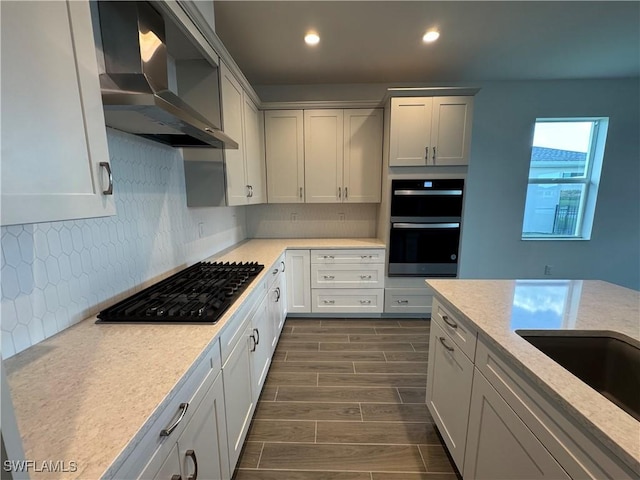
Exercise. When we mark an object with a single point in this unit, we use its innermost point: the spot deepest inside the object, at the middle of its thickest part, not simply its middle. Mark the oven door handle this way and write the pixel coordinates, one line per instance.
(422, 226)
(426, 192)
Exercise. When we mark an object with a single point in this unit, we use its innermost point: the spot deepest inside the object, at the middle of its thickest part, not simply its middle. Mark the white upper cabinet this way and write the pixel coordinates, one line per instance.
(430, 131)
(323, 155)
(243, 122)
(343, 155)
(54, 145)
(284, 145)
(362, 168)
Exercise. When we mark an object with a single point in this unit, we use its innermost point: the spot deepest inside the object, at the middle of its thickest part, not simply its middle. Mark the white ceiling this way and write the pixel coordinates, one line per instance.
(380, 41)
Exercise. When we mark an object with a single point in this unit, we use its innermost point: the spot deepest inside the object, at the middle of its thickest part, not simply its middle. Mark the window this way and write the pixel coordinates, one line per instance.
(564, 173)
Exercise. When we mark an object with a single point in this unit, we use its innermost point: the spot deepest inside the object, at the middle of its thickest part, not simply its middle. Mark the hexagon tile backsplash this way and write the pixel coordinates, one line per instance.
(58, 273)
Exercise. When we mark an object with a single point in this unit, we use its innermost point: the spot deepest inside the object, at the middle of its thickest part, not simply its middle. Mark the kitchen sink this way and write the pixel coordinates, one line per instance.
(607, 363)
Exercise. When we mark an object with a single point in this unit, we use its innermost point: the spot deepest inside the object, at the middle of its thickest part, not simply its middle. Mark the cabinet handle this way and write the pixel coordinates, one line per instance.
(426, 153)
(339, 192)
(444, 344)
(253, 347)
(107, 167)
(330, 257)
(192, 454)
(176, 477)
(257, 336)
(449, 322)
(167, 431)
(328, 277)
(365, 302)
(402, 302)
(283, 266)
(329, 302)
(346, 193)
(277, 294)
(251, 191)
(300, 192)
(275, 271)
(434, 154)
(366, 256)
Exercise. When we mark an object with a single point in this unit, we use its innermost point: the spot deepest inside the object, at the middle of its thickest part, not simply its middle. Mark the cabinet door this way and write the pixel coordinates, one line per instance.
(449, 383)
(323, 156)
(362, 155)
(284, 143)
(203, 444)
(298, 274)
(451, 133)
(254, 151)
(237, 379)
(232, 110)
(53, 135)
(169, 470)
(499, 445)
(410, 140)
(261, 346)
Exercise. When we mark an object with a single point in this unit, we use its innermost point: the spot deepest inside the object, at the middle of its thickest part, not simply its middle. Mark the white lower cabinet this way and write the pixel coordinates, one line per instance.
(237, 375)
(408, 300)
(499, 444)
(449, 383)
(298, 273)
(261, 346)
(347, 300)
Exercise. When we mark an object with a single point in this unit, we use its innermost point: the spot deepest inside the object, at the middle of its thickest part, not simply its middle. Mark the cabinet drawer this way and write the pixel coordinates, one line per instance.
(459, 330)
(347, 276)
(348, 256)
(150, 451)
(235, 327)
(274, 272)
(407, 300)
(347, 300)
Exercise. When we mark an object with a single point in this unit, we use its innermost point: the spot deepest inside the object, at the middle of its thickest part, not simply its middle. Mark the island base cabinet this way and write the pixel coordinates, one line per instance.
(449, 383)
(499, 444)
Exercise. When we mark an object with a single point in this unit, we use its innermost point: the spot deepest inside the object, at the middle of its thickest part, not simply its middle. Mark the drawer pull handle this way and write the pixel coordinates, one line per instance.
(444, 344)
(328, 277)
(365, 302)
(275, 271)
(192, 454)
(330, 257)
(253, 347)
(365, 277)
(449, 322)
(257, 336)
(167, 431)
(278, 294)
(402, 301)
(329, 302)
(176, 477)
(366, 256)
(283, 266)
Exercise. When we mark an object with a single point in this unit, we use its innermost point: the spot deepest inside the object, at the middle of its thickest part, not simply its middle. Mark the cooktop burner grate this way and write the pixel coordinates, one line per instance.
(198, 294)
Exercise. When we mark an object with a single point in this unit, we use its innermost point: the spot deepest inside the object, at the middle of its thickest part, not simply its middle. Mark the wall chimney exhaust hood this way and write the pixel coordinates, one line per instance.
(135, 88)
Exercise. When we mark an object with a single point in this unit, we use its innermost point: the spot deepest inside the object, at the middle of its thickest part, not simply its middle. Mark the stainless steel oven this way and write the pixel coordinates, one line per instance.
(426, 216)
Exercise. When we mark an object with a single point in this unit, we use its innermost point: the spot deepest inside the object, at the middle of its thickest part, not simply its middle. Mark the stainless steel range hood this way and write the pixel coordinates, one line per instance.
(135, 87)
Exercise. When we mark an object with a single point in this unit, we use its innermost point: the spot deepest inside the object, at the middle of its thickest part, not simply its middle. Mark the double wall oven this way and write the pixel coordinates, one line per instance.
(426, 216)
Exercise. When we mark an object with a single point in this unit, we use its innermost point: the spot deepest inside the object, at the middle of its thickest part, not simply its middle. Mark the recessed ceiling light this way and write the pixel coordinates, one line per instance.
(431, 36)
(311, 38)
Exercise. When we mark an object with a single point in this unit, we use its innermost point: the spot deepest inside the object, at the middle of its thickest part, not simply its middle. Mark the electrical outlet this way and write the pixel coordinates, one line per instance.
(547, 269)
(294, 217)
(201, 230)
(341, 217)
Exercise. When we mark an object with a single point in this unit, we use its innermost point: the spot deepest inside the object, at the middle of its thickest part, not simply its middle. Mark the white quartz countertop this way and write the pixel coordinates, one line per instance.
(500, 307)
(83, 394)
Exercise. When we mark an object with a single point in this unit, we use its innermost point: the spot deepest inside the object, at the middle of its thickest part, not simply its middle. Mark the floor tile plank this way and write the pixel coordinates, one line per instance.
(395, 412)
(406, 356)
(436, 459)
(308, 411)
(250, 455)
(391, 367)
(283, 431)
(369, 347)
(338, 394)
(338, 356)
(330, 367)
(343, 457)
(288, 378)
(333, 330)
(380, 380)
(413, 395)
(418, 337)
(299, 475)
(377, 432)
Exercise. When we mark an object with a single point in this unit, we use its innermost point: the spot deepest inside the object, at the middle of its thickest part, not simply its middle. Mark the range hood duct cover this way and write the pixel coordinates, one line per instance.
(135, 91)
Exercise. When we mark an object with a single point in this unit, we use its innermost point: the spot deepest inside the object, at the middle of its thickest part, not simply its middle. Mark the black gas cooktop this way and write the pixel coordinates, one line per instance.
(198, 294)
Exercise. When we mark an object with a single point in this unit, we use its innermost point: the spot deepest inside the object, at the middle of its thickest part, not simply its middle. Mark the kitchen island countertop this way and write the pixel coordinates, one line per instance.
(497, 308)
(83, 394)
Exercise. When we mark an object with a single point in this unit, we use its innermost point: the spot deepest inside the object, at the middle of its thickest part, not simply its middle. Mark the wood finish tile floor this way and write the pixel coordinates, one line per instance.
(345, 400)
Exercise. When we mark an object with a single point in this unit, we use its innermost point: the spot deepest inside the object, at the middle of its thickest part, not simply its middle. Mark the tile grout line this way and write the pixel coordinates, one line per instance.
(423, 460)
(260, 456)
